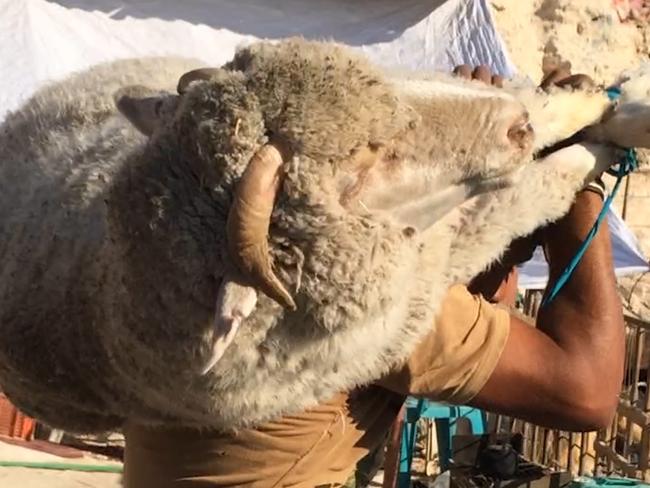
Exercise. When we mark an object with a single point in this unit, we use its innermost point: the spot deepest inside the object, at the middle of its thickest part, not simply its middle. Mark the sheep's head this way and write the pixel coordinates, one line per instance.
(483, 131)
(313, 127)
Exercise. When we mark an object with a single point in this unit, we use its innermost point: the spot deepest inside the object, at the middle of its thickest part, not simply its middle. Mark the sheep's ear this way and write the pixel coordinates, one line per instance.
(235, 302)
(144, 108)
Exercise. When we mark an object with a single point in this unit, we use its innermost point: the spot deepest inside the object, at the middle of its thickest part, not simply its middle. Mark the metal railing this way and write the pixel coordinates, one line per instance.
(624, 447)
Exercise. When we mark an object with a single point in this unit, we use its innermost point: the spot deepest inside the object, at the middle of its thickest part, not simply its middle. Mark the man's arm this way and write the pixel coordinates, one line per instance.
(566, 372)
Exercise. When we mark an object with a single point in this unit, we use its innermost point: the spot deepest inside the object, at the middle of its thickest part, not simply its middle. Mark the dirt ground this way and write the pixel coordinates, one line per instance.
(44, 478)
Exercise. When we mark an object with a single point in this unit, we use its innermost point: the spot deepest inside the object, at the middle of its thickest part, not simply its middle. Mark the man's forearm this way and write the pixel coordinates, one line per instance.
(566, 372)
(585, 319)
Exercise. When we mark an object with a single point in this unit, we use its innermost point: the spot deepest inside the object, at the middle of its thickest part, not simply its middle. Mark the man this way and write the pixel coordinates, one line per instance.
(564, 373)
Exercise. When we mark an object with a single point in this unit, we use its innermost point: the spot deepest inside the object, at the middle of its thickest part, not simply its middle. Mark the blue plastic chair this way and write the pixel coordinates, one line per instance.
(446, 419)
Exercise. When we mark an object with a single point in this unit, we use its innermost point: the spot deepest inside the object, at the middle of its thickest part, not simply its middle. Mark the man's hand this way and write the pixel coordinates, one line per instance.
(562, 77)
(481, 73)
(492, 282)
(566, 372)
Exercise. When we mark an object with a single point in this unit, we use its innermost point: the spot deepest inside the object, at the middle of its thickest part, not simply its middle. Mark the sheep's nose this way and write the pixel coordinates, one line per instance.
(521, 134)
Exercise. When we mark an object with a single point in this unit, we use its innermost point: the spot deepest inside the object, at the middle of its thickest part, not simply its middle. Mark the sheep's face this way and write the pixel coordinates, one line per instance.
(474, 130)
(444, 158)
(344, 139)
(322, 137)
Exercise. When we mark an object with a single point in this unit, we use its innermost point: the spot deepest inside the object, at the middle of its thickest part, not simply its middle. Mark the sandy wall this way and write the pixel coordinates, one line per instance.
(600, 38)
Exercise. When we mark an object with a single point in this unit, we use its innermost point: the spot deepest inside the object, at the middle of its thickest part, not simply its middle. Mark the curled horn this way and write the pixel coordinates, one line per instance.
(194, 75)
(249, 219)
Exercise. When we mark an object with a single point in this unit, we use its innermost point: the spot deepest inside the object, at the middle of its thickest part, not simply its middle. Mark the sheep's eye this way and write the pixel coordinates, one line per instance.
(158, 108)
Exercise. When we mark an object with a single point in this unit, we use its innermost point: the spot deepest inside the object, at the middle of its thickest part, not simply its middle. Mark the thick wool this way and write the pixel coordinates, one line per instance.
(58, 156)
(112, 246)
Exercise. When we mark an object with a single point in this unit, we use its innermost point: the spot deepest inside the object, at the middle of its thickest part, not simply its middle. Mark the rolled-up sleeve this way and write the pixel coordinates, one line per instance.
(455, 360)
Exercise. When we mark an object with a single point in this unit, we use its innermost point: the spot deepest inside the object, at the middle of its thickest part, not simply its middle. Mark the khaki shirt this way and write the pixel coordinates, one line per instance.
(321, 446)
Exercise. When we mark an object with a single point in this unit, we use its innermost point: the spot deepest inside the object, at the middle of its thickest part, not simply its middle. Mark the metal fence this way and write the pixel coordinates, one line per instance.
(624, 447)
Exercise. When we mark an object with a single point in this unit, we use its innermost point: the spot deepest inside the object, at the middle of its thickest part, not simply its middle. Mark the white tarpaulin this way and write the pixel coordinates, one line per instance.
(628, 258)
(42, 41)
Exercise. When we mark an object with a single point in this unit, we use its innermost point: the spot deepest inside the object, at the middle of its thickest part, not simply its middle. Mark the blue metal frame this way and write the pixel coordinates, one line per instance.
(445, 417)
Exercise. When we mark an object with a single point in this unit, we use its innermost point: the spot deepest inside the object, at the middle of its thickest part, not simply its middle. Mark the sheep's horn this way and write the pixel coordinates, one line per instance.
(249, 219)
(194, 75)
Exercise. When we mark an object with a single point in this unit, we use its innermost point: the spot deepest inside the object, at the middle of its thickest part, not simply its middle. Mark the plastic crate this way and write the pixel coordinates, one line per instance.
(13, 423)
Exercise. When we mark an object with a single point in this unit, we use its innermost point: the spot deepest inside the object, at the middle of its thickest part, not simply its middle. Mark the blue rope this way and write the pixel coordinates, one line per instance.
(624, 167)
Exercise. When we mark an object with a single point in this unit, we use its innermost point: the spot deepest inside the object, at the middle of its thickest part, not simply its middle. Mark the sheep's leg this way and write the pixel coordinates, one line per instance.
(544, 193)
(235, 302)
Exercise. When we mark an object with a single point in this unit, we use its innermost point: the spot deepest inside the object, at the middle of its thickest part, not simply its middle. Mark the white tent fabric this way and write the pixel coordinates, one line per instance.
(47, 40)
(42, 40)
(628, 258)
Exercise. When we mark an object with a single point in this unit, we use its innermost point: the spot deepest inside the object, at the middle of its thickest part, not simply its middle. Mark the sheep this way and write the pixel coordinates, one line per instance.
(282, 229)
(59, 153)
